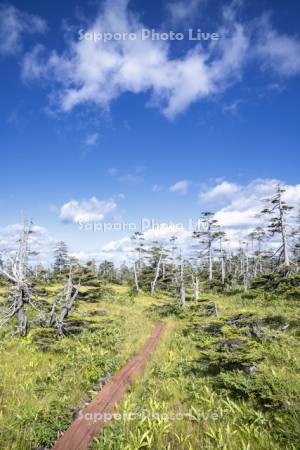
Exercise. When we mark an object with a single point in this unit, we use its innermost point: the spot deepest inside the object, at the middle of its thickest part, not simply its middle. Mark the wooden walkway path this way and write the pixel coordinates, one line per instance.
(84, 429)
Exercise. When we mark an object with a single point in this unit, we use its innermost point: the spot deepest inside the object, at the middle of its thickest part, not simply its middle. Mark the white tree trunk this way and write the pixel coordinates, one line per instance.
(210, 262)
(182, 286)
(17, 274)
(69, 298)
(223, 273)
(196, 289)
(136, 281)
(154, 282)
(246, 272)
(283, 231)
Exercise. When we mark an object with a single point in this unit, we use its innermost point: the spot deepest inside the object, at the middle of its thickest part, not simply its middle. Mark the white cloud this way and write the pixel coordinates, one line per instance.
(245, 204)
(219, 192)
(91, 210)
(14, 24)
(182, 10)
(238, 218)
(157, 188)
(180, 187)
(280, 52)
(40, 242)
(123, 244)
(128, 178)
(91, 139)
(30, 68)
(292, 195)
(165, 231)
(99, 72)
(131, 178)
(123, 250)
(232, 108)
(232, 217)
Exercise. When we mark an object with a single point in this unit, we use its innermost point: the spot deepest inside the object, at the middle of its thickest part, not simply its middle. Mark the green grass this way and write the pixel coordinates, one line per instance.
(228, 409)
(43, 380)
(195, 392)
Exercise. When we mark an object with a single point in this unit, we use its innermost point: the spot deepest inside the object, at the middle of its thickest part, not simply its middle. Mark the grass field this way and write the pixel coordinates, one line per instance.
(227, 382)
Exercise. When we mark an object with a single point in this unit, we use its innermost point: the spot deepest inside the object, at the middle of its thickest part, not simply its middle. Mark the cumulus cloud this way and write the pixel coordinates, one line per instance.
(91, 210)
(244, 204)
(14, 24)
(165, 231)
(98, 72)
(219, 192)
(238, 218)
(123, 244)
(292, 195)
(123, 250)
(180, 187)
(41, 243)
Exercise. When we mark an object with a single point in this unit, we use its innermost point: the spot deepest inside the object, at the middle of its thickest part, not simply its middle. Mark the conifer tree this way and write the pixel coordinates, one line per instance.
(278, 211)
(61, 256)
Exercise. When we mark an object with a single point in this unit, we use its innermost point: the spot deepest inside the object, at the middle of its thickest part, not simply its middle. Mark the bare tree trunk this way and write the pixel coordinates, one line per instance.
(52, 312)
(182, 287)
(246, 271)
(210, 268)
(223, 269)
(17, 274)
(256, 266)
(69, 299)
(60, 323)
(242, 264)
(229, 264)
(195, 281)
(283, 231)
(136, 278)
(154, 282)
(22, 318)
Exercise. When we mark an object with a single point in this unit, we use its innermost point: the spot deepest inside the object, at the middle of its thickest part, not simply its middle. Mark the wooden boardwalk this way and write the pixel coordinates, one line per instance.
(84, 429)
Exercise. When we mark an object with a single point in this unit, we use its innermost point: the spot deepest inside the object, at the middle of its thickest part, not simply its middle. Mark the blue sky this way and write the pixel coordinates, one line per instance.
(102, 131)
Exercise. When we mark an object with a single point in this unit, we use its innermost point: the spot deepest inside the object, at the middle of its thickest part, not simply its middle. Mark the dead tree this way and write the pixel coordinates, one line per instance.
(138, 243)
(173, 250)
(136, 280)
(67, 300)
(182, 284)
(278, 211)
(154, 282)
(246, 271)
(222, 253)
(157, 254)
(17, 272)
(257, 236)
(296, 242)
(195, 284)
(209, 232)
